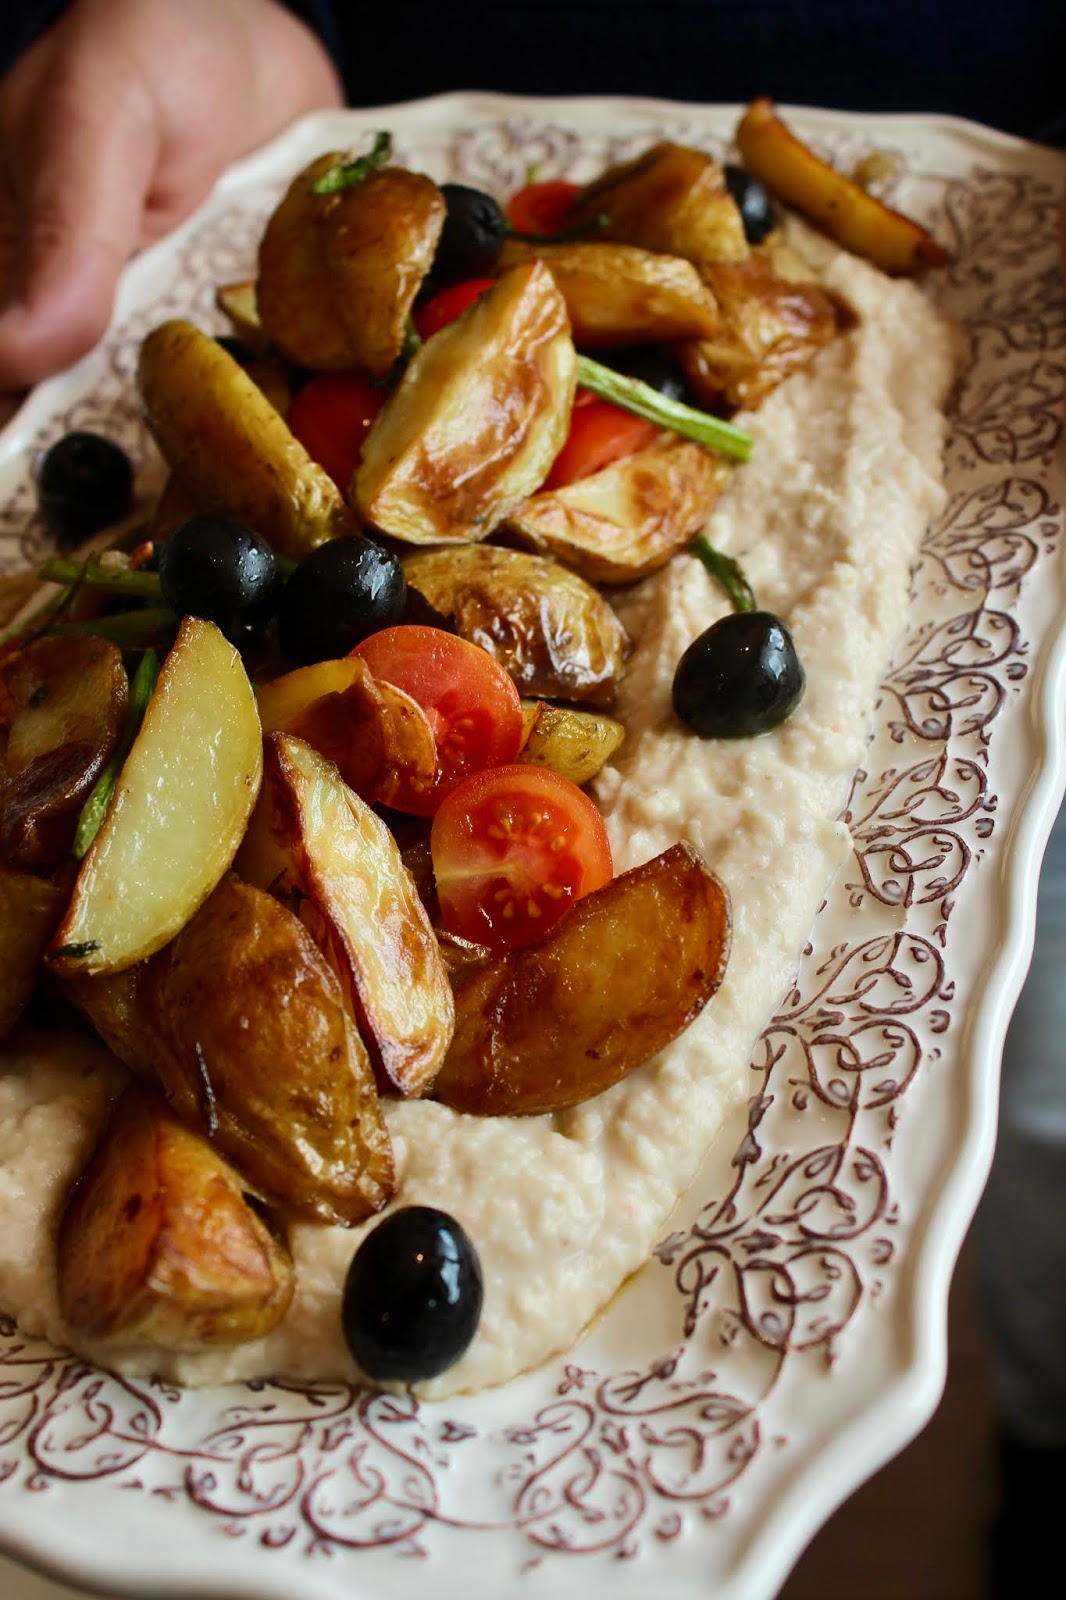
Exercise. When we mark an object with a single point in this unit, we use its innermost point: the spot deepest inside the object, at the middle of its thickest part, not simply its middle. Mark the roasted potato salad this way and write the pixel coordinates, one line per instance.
(673, 200)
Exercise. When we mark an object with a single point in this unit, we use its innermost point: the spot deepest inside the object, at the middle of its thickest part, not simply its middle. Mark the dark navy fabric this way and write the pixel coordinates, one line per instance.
(998, 63)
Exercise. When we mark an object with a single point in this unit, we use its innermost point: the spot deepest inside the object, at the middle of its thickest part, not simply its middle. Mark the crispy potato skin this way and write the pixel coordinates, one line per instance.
(624, 522)
(379, 239)
(770, 327)
(293, 298)
(65, 704)
(554, 633)
(577, 744)
(159, 1243)
(673, 200)
(616, 294)
(230, 447)
(479, 416)
(622, 974)
(30, 909)
(857, 220)
(315, 840)
(243, 1023)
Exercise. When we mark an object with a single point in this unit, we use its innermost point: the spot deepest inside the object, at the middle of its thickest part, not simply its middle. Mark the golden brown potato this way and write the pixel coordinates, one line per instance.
(546, 626)
(671, 199)
(294, 302)
(312, 839)
(377, 736)
(178, 812)
(628, 519)
(30, 908)
(479, 416)
(379, 239)
(770, 327)
(162, 1243)
(577, 744)
(617, 294)
(65, 700)
(855, 219)
(247, 1030)
(622, 974)
(240, 303)
(229, 446)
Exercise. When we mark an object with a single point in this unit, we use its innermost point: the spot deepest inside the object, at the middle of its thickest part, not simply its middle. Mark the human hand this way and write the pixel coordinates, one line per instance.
(114, 125)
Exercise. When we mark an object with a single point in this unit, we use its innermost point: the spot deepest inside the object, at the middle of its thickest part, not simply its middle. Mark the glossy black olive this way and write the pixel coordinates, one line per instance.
(84, 481)
(753, 202)
(472, 237)
(742, 676)
(654, 365)
(339, 594)
(412, 1297)
(216, 568)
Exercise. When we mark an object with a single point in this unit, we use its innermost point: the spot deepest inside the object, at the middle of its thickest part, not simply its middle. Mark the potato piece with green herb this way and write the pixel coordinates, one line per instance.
(64, 701)
(178, 812)
(293, 303)
(577, 744)
(479, 416)
(626, 969)
(162, 1243)
(672, 199)
(549, 629)
(229, 446)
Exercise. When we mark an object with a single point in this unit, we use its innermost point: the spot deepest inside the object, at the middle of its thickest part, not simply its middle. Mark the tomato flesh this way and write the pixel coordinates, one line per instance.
(472, 705)
(449, 304)
(513, 848)
(331, 416)
(600, 433)
(542, 208)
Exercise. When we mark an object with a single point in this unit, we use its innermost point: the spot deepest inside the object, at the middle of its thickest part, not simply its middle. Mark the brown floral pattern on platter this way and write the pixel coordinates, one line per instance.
(793, 1257)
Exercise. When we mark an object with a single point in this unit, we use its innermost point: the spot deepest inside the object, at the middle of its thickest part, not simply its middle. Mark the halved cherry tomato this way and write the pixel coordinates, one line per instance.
(513, 848)
(446, 306)
(472, 705)
(331, 416)
(542, 207)
(599, 434)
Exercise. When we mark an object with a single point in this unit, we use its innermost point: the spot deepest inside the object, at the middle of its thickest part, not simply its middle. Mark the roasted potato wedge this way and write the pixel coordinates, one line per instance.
(866, 226)
(162, 1243)
(312, 838)
(622, 974)
(576, 744)
(30, 908)
(178, 813)
(480, 415)
(770, 327)
(64, 701)
(293, 296)
(243, 1023)
(616, 294)
(546, 626)
(627, 520)
(230, 447)
(673, 200)
(379, 239)
(377, 736)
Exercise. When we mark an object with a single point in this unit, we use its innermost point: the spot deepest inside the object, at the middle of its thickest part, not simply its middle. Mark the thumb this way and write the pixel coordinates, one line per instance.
(80, 176)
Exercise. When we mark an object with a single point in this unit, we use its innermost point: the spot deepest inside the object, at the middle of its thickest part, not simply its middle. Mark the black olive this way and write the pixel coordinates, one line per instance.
(753, 202)
(337, 596)
(472, 237)
(742, 676)
(84, 482)
(654, 365)
(412, 1297)
(216, 568)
